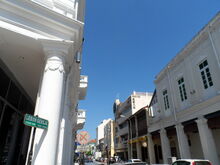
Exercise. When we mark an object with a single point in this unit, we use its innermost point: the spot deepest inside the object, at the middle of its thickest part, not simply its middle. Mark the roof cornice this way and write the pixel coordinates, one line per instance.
(200, 36)
(44, 19)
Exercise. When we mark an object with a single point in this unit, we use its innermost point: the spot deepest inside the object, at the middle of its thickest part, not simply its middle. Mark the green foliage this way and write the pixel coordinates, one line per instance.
(89, 153)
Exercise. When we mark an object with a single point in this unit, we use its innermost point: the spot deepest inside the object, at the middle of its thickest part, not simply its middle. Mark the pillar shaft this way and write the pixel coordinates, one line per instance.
(183, 142)
(50, 102)
(150, 147)
(165, 145)
(207, 141)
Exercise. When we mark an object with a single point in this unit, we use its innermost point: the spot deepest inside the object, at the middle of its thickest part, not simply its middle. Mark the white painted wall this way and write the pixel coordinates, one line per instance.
(185, 65)
(140, 100)
(200, 101)
(100, 130)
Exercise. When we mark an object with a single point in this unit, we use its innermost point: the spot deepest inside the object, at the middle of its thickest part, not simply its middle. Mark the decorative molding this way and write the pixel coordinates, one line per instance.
(54, 65)
(58, 52)
(41, 19)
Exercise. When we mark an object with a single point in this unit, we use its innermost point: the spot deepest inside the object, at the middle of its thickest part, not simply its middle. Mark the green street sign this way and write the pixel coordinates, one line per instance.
(35, 121)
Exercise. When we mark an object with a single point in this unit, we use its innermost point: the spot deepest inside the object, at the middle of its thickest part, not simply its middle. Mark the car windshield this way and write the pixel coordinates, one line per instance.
(136, 160)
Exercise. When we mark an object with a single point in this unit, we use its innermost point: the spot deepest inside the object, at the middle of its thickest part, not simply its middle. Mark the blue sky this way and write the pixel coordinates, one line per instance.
(128, 42)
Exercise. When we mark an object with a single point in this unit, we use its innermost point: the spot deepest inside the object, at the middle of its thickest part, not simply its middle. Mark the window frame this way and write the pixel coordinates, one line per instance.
(205, 74)
(166, 99)
(182, 89)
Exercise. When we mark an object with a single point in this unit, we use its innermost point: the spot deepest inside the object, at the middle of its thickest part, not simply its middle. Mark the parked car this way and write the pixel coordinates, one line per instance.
(135, 162)
(192, 162)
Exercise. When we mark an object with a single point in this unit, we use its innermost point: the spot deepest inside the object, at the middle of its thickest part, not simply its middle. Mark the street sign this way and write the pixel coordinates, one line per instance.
(83, 137)
(35, 121)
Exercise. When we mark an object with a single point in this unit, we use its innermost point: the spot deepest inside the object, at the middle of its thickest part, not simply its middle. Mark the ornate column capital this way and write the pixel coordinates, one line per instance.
(58, 54)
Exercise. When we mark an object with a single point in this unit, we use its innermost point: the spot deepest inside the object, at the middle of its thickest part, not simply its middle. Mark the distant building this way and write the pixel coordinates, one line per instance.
(184, 114)
(137, 137)
(100, 136)
(109, 135)
(88, 148)
(122, 111)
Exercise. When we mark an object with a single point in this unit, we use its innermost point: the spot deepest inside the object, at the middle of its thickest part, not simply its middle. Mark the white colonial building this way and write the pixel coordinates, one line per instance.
(122, 111)
(184, 114)
(40, 61)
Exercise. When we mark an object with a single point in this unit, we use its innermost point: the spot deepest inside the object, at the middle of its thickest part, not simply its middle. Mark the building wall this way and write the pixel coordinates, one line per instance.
(14, 104)
(122, 111)
(32, 30)
(188, 90)
(187, 66)
(100, 130)
(109, 137)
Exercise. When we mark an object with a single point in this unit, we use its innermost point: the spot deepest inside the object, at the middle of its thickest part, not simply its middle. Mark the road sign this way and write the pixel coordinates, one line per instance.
(35, 121)
(83, 137)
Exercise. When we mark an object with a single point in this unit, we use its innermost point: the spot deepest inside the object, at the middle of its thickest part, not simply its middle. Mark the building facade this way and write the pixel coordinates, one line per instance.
(40, 60)
(137, 136)
(109, 134)
(100, 133)
(184, 113)
(122, 111)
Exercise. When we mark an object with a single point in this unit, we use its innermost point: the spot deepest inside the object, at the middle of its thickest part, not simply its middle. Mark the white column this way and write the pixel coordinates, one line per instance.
(50, 102)
(150, 147)
(183, 142)
(165, 145)
(207, 141)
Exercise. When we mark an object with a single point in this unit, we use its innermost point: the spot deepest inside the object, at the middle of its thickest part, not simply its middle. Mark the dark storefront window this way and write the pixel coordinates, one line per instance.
(6, 130)
(23, 105)
(14, 95)
(4, 83)
(1, 108)
(14, 135)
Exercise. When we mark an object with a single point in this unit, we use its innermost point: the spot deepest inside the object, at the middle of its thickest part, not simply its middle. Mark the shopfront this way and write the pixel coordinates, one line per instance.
(14, 135)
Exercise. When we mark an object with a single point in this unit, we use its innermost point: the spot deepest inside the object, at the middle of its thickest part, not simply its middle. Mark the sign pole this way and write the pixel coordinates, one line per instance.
(31, 150)
(30, 155)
